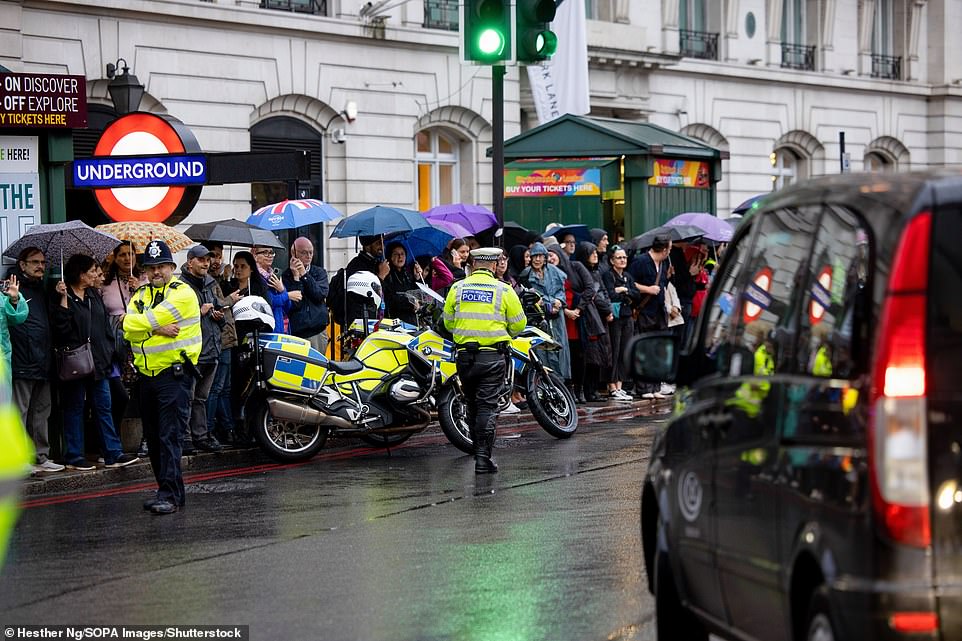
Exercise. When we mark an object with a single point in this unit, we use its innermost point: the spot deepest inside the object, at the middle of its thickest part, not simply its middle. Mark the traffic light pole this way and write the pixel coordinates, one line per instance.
(497, 164)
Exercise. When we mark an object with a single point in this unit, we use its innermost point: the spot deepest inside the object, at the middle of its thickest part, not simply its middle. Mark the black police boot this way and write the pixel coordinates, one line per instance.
(483, 463)
(578, 392)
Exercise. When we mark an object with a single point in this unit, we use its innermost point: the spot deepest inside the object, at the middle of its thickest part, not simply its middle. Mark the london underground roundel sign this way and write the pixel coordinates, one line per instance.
(757, 296)
(143, 134)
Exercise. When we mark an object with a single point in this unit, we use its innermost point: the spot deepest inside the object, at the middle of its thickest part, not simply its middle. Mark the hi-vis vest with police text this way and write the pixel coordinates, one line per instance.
(482, 309)
(151, 308)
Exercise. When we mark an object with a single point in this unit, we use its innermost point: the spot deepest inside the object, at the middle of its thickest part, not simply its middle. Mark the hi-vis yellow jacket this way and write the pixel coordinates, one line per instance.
(16, 455)
(151, 308)
(484, 310)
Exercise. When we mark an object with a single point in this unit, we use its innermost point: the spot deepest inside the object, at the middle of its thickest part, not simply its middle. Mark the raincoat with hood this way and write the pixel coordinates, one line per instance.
(550, 286)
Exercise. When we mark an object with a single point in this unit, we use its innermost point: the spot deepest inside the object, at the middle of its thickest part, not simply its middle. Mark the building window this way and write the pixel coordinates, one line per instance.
(884, 63)
(437, 161)
(315, 7)
(787, 168)
(441, 14)
(600, 10)
(796, 53)
(877, 163)
(692, 15)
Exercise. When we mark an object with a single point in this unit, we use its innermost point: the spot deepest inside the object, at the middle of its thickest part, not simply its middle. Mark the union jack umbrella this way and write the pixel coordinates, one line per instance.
(290, 214)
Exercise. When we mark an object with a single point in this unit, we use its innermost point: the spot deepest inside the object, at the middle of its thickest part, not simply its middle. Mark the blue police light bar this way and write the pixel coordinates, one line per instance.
(140, 171)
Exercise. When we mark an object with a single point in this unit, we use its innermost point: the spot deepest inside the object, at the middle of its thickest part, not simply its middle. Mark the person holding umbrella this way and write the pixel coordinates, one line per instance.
(79, 318)
(398, 281)
(369, 259)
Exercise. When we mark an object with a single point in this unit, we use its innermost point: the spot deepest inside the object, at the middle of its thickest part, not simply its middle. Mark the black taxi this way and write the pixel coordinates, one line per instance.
(809, 483)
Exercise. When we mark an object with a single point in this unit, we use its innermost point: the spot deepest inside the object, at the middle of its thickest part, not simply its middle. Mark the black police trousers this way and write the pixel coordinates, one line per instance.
(482, 378)
(165, 414)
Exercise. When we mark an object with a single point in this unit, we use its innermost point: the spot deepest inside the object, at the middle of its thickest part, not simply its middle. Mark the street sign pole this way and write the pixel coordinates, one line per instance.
(497, 131)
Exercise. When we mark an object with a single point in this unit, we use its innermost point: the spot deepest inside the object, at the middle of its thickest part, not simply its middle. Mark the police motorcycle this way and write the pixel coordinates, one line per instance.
(550, 401)
(294, 398)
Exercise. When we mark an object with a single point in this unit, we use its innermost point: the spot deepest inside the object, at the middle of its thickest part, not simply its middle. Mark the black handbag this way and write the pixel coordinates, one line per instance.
(75, 363)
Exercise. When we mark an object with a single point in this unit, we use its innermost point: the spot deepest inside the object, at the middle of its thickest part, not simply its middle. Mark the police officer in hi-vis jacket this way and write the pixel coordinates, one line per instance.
(163, 326)
(483, 313)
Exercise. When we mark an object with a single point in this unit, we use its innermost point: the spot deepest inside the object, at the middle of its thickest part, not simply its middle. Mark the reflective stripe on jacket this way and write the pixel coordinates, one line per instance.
(481, 309)
(152, 308)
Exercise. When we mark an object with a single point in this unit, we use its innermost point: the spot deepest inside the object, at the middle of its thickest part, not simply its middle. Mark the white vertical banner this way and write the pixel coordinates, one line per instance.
(560, 85)
(19, 187)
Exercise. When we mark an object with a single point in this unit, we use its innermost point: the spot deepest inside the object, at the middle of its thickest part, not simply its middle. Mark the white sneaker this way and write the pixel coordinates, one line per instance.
(623, 396)
(48, 466)
(667, 389)
(511, 409)
(658, 395)
(649, 395)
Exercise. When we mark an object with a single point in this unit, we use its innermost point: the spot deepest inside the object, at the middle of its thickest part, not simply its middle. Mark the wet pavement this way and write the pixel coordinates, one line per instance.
(357, 543)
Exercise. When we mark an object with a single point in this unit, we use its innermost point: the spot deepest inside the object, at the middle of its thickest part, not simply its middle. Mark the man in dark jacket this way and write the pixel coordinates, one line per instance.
(308, 316)
(370, 259)
(33, 356)
(194, 273)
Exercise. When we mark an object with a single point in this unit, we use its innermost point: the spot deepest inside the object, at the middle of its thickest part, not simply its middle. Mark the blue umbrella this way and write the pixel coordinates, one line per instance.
(580, 232)
(290, 214)
(748, 204)
(379, 220)
(426, 241)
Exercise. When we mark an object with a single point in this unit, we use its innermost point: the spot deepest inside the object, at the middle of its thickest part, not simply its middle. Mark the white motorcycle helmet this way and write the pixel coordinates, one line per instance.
(254, 308)
(366, 285)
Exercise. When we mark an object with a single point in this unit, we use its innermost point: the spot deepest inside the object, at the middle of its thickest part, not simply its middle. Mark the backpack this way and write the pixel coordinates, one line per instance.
(335, 296)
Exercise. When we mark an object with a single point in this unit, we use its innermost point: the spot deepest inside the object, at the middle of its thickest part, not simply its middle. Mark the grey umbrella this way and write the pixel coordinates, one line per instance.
(233, 232)
(57, 240)
(676, 233)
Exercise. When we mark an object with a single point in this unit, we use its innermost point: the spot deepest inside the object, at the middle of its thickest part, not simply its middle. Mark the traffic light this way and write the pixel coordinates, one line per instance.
(535, 40)
(486, 31)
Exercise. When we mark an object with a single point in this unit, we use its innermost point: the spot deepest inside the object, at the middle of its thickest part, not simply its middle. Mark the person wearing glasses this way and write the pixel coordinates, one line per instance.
(623, 295)
(309, 317)
(569, 244)
(277, 295)
(32, 357)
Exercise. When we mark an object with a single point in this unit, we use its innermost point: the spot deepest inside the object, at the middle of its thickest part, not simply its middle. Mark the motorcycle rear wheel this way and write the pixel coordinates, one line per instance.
(552, 404)
(285, 441)
(452, 415)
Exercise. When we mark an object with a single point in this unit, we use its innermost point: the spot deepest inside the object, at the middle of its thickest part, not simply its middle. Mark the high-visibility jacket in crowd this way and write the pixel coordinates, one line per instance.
(151, 308)
(16, 455)
(484, 310)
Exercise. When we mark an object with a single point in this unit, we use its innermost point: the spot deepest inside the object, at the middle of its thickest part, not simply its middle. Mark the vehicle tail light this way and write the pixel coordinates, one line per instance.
(914, 622)
(898, 442)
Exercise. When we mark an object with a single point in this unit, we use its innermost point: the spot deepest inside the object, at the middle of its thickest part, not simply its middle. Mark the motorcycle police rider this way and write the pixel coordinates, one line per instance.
(483, 313)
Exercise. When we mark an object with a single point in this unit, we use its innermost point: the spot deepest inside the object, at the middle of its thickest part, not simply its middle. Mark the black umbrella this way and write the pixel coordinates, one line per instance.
(675, 233)
(233, 232)
(514, 234)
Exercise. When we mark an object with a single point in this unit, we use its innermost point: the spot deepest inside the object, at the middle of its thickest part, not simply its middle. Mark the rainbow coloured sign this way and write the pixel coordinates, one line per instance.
(680, 173)
(555, 181)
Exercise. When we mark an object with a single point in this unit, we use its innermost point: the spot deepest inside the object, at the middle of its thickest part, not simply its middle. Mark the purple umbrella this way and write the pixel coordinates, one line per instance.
(455, 229)
(715, 228)
(474, 218)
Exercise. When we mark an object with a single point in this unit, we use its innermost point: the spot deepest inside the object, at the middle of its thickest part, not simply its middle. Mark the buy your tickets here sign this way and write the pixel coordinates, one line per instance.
(45, 101)
(556, 181)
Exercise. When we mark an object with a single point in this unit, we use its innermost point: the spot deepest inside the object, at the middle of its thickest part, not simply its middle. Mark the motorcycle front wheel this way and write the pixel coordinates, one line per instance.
(552, 404)
(453, 417)
(285, 441)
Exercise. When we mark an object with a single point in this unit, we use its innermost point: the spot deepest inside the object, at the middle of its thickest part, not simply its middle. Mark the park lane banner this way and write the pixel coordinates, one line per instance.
(560, 86)
(43, 101)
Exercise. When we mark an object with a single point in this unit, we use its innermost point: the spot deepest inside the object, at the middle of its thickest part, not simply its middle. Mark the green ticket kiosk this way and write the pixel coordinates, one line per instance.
(624, 176)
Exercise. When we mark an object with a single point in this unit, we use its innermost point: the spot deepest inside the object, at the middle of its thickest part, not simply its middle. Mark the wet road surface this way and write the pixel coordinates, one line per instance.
(361, 544)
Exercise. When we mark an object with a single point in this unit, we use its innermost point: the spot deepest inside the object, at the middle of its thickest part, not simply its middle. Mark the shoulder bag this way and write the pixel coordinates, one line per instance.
(75, 363)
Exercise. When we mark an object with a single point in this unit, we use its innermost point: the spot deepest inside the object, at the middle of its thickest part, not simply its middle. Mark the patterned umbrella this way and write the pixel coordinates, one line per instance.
(140, 233)
(57, 240)
(290, 214)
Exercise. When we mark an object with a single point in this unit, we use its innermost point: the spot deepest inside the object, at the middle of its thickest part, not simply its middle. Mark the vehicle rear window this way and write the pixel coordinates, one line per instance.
(945, 303)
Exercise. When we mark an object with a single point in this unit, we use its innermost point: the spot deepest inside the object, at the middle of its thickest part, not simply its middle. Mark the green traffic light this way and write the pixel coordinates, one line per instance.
(546, 43)
(491, 42)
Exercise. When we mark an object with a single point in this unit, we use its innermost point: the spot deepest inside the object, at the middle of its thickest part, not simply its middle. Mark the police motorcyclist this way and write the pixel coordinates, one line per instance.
(483, 314)
(162, 325)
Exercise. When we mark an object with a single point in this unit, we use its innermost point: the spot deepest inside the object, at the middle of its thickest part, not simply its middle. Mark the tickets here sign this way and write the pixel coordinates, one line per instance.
(552, 182)
(19, 186)
(43, 101)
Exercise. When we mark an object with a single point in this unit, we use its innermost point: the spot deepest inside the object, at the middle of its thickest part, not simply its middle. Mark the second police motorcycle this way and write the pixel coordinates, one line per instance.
(294, 398)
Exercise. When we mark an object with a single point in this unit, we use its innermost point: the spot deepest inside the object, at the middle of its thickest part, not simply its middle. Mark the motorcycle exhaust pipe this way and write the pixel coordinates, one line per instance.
(286, 411)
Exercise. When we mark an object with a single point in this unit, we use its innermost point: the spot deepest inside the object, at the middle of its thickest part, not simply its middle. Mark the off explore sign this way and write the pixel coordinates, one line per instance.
(43, 101)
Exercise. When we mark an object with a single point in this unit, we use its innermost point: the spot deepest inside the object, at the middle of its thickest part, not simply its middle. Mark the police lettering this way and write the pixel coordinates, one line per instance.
(476, 296)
